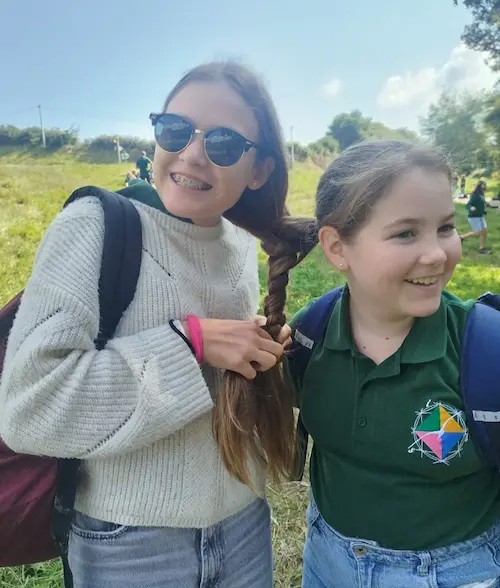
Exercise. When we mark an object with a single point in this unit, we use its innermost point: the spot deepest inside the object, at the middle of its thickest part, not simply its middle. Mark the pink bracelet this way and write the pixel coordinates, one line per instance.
(195, 336)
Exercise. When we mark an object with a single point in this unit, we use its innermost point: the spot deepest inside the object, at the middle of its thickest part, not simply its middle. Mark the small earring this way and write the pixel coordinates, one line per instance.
(341, 265)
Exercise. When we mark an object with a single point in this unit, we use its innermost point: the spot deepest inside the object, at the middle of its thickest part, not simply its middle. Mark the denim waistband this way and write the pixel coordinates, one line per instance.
(360, 547)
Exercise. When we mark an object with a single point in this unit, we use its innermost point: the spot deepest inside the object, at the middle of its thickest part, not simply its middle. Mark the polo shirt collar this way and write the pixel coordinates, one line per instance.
(338, 336)
(425, 342)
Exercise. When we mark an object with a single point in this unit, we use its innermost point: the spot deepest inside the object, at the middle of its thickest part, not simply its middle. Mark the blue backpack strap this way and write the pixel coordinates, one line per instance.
(307, 332)
(120, 267)
(480, 376)
(309, 329)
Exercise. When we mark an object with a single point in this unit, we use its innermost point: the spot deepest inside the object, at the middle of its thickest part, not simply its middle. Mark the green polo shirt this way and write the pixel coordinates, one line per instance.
(392, 459)
(478, 202)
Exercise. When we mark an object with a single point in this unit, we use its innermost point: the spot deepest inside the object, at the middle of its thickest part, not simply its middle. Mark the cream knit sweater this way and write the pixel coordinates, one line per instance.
(139, 412)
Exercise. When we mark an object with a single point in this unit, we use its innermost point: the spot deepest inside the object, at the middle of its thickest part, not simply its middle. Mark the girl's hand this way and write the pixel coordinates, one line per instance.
(473, 209)
(239, 346)
(285, 336)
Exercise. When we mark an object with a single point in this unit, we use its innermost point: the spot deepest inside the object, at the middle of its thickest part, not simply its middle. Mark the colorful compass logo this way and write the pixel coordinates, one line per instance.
(439, 432)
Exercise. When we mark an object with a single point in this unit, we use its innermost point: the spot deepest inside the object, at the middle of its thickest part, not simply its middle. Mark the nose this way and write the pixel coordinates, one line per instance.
(194, 153)
(434, 254)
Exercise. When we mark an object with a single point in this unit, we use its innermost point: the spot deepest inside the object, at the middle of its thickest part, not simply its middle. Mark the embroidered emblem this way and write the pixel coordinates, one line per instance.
(439, 432)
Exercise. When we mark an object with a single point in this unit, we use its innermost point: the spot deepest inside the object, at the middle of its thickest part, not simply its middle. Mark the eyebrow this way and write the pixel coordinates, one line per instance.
(417, 221)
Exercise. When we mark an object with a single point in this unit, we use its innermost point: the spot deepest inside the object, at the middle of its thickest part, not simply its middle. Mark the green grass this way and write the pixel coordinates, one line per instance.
(31, 193)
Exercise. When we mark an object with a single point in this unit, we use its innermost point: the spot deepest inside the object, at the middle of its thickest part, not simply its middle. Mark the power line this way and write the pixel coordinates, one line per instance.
(22, 111)
(87, 116)
(75, 115)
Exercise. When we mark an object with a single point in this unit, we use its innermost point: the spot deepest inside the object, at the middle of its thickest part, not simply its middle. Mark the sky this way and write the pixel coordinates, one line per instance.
(103, 66)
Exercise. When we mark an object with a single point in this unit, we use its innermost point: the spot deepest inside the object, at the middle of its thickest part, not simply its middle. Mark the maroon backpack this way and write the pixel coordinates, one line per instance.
(37, 493)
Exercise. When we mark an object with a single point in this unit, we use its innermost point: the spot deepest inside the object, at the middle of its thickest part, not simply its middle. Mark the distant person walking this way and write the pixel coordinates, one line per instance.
(476, 208)
(462, 187)
(454, 186)
(145, 165)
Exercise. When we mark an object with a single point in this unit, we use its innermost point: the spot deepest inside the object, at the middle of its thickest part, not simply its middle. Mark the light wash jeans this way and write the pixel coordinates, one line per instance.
(334, 561)
(477, 223)
(235, 553)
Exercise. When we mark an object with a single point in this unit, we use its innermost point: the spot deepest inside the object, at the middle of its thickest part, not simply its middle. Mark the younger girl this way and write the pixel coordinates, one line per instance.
(156, 506)
(400, 498)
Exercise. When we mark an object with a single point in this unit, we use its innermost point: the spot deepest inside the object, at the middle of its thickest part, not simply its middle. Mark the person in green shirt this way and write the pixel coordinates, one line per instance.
(145, 166)
(399, 496)
(476, 211)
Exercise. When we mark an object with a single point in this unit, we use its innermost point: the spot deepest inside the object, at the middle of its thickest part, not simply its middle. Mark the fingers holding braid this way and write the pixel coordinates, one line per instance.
(255, 418)
(291, 242)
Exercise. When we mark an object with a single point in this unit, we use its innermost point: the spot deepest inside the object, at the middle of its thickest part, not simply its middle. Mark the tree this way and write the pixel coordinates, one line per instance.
(299, 151)
(405, 134)
(484, 32)
(349, 128)
(31, 137)
(492, 118)
(326, 146)
(457, 125)
(102, 149)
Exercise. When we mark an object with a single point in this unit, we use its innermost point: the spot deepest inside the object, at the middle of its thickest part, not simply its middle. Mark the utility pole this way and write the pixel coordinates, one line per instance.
(117, 141)
(41, 126)
(292, 149)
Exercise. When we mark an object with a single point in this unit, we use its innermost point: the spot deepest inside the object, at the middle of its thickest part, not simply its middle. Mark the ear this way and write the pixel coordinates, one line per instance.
(262, 171)
(333, 247)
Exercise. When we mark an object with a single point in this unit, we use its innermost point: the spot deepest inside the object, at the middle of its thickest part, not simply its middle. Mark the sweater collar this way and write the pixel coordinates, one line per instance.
(148, 197)
(187, 229)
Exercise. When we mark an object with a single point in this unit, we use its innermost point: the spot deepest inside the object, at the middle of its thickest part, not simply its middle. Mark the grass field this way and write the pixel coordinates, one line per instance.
(31, 193)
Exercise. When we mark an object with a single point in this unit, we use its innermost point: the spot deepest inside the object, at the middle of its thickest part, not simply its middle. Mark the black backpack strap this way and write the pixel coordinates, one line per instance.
(120, 267)
(306, 333)
(480, 376)
(121, 257)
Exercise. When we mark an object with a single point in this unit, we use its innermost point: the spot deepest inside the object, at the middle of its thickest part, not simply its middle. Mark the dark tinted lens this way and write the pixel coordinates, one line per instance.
(224, 147)
(172, 133)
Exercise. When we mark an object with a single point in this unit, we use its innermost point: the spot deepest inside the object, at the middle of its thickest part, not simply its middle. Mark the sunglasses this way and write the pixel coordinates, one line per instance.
(223, 146)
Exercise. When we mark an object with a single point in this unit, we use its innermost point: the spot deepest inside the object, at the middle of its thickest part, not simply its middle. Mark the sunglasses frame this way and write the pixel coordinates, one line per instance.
(154, 117)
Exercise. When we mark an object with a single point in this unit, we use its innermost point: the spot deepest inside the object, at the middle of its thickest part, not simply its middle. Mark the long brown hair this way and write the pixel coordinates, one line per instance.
(254, 419)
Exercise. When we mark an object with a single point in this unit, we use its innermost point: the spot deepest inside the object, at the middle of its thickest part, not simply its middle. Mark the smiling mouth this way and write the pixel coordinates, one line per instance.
(191, 183)
(429, 281)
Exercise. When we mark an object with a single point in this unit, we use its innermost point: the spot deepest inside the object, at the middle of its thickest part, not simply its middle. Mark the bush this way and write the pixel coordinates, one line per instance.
(326, 146)
(31, 137)
(102, 149)
(299, 151)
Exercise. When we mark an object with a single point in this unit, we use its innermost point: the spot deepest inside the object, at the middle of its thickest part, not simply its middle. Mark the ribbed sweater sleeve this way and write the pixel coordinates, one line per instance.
(61, 397)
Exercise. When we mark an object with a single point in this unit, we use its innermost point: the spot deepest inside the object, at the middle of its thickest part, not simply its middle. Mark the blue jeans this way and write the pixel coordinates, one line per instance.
(235, 553)
(477, 223)
(334, 561)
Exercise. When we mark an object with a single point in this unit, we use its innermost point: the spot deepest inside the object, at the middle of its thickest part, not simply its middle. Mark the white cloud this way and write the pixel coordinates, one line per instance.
(465, 71)
(332, 88)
